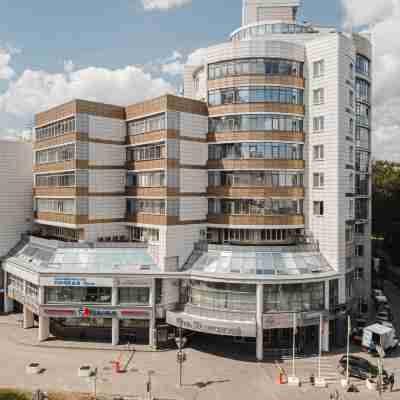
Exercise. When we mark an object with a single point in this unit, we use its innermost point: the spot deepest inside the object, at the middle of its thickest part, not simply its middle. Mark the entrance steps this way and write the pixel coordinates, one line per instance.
(286, 354)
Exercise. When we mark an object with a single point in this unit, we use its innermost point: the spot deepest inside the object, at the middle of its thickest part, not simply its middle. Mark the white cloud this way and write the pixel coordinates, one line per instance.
(383, 19)
(164, 4)
(34, 91)
(197, 57)
(6, 72)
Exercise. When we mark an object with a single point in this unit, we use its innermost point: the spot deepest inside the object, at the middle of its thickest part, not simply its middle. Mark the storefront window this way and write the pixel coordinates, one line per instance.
(135, 295)
(66, 294)
(295, 297)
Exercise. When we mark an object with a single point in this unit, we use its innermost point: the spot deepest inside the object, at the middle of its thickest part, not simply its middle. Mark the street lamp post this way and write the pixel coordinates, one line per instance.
(181, 356)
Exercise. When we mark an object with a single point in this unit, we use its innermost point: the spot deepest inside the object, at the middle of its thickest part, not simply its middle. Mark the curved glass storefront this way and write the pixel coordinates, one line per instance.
(254, 122)
(257, 31)
(256, 94)
(263, 151)
(301, 297)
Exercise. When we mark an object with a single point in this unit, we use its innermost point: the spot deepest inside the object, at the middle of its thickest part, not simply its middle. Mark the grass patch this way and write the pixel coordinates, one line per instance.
(9, 394)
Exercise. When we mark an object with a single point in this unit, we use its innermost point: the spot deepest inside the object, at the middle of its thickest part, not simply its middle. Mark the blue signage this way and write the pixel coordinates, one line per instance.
(73, 282)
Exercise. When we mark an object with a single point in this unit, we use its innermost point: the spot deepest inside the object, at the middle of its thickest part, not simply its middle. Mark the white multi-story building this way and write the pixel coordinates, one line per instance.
(15, 193)
(252, 196)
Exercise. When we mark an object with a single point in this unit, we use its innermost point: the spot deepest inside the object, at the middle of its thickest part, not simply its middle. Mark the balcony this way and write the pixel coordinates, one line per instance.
(160, 164)
(255, 164)
(150, 219)
(151, 137)
(256, 108)
(60, 191)
(283, 220)
(286, 136)
(61, 166)
(255, 191)
(158, 192)
(61, 218)
(254, 80)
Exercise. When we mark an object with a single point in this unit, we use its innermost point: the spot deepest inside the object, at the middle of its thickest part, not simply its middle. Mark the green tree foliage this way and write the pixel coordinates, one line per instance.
(386, 202)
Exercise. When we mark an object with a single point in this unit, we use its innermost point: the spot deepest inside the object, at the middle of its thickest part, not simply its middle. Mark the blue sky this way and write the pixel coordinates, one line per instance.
(120, 52)
(120, 32)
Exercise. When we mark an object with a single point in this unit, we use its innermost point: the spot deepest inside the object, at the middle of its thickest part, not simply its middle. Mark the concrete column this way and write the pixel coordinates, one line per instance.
(259, 322)
(325, 335)
(44, 328)
(152, 324)
(8, 303)
(326, 295)
(114, 296)
(115, 332)
(28, 318)
(42, 297)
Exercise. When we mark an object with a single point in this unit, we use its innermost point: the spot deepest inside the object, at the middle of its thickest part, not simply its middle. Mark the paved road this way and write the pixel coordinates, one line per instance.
(207, 376)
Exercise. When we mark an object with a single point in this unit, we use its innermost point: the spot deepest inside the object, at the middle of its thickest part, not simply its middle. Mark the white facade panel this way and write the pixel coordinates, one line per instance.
(16, 202)
(193, 208)
(106, 207)
(106, 154)
(193, 125)
(193, 180)
(107, 128)
(107, 180)
(193, 153)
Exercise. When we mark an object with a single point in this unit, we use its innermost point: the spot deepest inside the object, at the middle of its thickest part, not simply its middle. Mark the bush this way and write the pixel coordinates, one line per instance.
(8, 394)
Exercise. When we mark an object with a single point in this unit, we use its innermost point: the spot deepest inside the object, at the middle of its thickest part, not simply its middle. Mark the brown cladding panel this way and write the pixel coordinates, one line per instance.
(255, 164)
(250, 80)
(256, 220)
(163, 104)
(59, 140)
(57, 191)
(62, 218)
(61, 166)
(79, 106)
(56, 113)
(243, 136)
(151, 137)
(257, 191)
(256, 107)
(100, 109)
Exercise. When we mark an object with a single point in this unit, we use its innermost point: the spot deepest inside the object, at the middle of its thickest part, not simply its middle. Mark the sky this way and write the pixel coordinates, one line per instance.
(123, 51)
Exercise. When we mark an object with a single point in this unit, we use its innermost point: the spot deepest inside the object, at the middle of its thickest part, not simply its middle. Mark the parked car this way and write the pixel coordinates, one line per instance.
(360, 368)
(377, 292)
(357, 335)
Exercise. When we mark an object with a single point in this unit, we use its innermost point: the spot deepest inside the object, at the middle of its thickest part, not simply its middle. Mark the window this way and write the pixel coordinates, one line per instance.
(350, 209)
(318, 208)
(318, 180)
(318, 96)
(319, 68)
(134, 295)
(351, 99)
(55, 129)
(349, 233)
(255, 94)
(318, 152)
(62, 206)
(350, 188)
(254, 122)
(350, 157)
(140, 234)
(351, 71)
(66, 294)
(150, 124)
(351, 127)
(359, 250)
(318, 124)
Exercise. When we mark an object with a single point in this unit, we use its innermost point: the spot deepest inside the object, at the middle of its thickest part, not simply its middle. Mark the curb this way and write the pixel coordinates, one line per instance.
(83, 348)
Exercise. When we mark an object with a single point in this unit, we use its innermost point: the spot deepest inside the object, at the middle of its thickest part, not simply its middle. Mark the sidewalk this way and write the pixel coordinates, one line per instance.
(28, 337)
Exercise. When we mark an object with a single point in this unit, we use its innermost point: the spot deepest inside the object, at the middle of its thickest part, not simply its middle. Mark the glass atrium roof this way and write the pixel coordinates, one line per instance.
(58, 257)
(260, 261)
